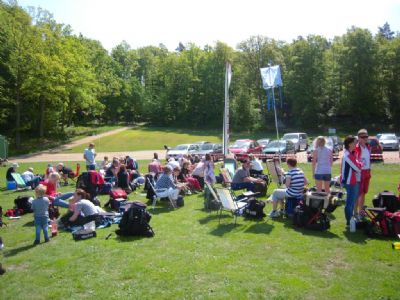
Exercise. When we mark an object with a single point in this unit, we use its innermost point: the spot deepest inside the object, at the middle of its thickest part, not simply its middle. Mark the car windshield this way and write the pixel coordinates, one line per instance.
(290, 136)
(276, 144)
(241, 144)
(373, 143)
(181, 147)
(207, 147)
(263, 142)
(388, 137)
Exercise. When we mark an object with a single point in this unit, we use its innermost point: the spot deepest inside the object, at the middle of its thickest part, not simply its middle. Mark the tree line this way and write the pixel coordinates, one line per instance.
(51, 79)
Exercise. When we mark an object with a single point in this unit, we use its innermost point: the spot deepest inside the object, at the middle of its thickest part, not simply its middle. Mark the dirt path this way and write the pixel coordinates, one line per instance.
(57, 154)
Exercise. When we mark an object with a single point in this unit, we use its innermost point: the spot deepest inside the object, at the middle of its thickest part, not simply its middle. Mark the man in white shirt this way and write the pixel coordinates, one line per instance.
(256, 167)
(89, 155)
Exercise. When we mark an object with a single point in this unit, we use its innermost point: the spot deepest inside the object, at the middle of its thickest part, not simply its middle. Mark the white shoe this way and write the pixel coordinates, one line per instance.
(274, 214)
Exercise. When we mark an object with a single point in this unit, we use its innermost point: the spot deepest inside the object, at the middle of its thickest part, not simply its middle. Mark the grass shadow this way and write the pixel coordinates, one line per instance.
(356, 237)
(260, 227)
(29, 224)
(223, 229)
(16, 251)
(322, 234)
(209, 218)
(121, 238)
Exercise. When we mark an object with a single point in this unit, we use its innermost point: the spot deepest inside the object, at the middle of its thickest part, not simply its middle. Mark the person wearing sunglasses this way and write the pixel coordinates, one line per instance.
(363, 154)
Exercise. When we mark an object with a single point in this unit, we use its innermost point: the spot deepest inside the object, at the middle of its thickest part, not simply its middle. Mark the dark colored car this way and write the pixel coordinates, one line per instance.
(376, 149)
(276, 147)
(263, 142)
(330, 144)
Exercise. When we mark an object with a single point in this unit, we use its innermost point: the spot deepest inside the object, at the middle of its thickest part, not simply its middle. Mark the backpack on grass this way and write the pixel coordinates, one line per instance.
(135, 221)
(25, 203)
(254, 209)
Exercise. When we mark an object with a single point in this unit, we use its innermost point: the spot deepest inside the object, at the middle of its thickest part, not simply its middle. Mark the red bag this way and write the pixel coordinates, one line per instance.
(118, 193)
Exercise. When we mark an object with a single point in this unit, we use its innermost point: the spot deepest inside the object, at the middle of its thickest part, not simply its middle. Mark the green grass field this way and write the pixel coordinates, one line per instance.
(153, 138)
(193, 257)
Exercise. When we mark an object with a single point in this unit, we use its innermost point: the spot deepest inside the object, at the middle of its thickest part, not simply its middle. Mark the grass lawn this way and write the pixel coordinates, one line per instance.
(193, 257)
(31, 144)
(153, 138)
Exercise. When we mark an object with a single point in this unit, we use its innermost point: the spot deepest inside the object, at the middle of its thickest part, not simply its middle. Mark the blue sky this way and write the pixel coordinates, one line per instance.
(151, 22)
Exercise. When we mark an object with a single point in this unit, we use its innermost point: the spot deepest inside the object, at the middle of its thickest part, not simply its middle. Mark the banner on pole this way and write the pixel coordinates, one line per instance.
(271, 77)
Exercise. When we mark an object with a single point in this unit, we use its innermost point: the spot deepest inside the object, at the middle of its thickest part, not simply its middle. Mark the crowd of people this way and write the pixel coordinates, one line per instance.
(188, 174)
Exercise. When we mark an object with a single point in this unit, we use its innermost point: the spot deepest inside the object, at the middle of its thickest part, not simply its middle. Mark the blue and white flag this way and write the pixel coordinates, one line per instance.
(271, 77)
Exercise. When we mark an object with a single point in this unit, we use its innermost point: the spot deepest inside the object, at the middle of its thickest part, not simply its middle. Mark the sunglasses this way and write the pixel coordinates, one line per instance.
(363, 137)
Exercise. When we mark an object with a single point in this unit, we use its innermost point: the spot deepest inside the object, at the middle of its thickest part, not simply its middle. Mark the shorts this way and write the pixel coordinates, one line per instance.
(323, 177)
(365, 178)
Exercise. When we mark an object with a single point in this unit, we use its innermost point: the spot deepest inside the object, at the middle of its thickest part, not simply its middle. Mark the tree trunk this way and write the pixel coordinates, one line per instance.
(41, 120)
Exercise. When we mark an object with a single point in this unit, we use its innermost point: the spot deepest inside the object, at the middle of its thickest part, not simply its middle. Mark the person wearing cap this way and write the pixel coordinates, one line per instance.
(30, 178)
(363, 155)
(243, 180)
(165, 186)
(12, 169)
(89, 155)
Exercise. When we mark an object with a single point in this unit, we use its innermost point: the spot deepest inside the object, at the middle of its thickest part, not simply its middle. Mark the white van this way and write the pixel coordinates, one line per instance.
(299, 139)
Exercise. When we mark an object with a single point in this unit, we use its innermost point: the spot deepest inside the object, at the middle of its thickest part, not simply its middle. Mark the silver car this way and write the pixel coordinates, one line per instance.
(389, 141)
(299, 139)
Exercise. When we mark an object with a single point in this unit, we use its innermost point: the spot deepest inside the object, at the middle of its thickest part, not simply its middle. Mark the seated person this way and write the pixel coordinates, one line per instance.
(173, 163)
(84, 211)
(49, 170)
(185, 176)
(154, 167)
(243, 180)
(65, 172)
(123, 179)
(30, 178)
(256, 167)
(105, 164)
(198, 173)
(57, 199)
(12, 169)
(165, 186)
(295, 182)
(112, 171)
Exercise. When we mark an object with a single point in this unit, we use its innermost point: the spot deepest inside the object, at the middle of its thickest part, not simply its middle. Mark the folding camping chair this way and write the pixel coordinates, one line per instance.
(208, 203)
(159, 194)
(21, 185)
(227, 179)
(228, 203)
(230, 164)
(275, 171)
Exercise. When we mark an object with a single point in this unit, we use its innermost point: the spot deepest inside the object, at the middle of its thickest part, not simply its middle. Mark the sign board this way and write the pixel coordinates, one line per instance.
(332, 131)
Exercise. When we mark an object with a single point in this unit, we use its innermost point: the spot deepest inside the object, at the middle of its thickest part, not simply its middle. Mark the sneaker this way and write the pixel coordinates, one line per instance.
(274, 214)
(36, 242)
(47, 240)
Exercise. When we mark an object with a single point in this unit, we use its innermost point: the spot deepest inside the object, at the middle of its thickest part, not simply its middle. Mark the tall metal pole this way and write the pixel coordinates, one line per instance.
(226, 111)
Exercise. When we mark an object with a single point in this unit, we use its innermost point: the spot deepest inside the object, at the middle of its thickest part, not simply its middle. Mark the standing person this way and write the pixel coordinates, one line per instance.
(89, 155)
(209, 175)
(40, 207)
(350, 176)
(363, 154)
(322, 165)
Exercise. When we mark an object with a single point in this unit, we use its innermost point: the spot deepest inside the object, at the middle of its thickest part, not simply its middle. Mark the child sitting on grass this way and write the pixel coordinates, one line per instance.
(40, 208)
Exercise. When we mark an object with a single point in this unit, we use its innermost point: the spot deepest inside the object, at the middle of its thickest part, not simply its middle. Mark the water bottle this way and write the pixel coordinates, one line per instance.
(352, 224)
(54, 228)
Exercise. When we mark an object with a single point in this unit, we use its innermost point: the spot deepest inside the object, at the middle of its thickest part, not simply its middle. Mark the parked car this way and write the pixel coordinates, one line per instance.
(330, 144)
(242, 148)
(279, 146)
(263, 142)
(299, 139)
(389, 141)
(337, 142)
(208, 148)
(376, 149)
(181, 150)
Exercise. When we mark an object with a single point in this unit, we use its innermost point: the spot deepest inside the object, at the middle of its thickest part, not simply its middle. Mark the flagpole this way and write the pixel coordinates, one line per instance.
(226, 112)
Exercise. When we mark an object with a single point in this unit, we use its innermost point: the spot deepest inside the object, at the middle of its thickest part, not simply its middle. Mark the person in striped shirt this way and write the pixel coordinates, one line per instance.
(350, 176)
(295, 181)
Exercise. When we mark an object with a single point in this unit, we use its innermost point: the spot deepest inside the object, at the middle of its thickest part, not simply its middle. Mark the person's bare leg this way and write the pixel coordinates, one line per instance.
(318, 184)
(327, 186)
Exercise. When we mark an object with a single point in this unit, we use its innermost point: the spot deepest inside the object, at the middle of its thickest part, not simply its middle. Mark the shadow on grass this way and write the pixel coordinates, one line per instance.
(224, 228)
(210, 217)
(29, 224)
(16, 251)
(260, 227)
(356, 237)
(121, 238)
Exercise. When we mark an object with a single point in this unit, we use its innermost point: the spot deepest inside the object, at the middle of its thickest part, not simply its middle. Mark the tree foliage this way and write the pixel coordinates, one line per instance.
(50, 79)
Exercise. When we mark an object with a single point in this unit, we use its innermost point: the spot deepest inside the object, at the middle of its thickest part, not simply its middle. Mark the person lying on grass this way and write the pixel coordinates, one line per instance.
(58, 199)
(295, 181)
(84, 211)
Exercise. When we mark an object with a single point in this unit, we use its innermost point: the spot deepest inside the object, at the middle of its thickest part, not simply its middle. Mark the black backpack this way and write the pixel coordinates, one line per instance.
(302, 217)
(387, 199)
(135, 221)
(254, 209)
(24, 203)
